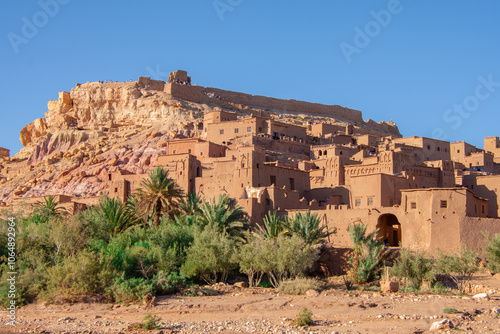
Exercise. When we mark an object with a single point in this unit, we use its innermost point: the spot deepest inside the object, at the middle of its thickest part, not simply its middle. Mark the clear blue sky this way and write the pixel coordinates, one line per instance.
(412, 65)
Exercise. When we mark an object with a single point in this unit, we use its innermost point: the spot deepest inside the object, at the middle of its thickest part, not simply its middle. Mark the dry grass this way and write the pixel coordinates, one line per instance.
(299, 286)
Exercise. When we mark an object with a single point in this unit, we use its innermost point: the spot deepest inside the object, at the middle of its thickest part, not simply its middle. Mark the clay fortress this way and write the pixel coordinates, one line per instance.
(270, 154)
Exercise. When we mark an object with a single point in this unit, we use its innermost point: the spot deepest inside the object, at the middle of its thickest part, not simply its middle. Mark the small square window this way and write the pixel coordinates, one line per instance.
(236, 130)
(413, 205)
(249, 129)
(369, 201)
(221, 131)
(444, 204)
(357, 202)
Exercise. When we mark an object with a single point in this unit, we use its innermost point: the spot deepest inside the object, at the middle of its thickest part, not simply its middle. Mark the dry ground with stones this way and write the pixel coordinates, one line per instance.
(257, 310)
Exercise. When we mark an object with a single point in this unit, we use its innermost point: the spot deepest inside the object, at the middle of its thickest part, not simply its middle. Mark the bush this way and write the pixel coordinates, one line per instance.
(299, 286)
(210, 255)
(151, 322)
(285, 257)
(493, 253)
(169, 284)
(293, 257)
(23, 293)
(265, 284)
(460, 266)
(170, 245)
(73, 278)
(251, 258)
(304, 318)
(131, 290)
(414, 267)
(130, 253)
(439, 288)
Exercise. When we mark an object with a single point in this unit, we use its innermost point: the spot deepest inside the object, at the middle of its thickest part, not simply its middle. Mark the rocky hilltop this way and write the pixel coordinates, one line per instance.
(98, 128)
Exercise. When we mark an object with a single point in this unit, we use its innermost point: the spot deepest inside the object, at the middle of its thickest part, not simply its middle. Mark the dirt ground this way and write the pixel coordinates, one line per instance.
(258, 310)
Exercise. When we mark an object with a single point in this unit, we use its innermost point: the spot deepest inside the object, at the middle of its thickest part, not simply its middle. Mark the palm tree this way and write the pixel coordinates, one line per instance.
(191, 205)
(159, 194)
(308, 227)
(273, 226)
(131, 204)
(226, 215)
(368, 253)
(117, 215)
(49, 206)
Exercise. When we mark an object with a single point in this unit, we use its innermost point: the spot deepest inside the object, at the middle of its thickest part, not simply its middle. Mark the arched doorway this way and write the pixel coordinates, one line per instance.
(389, 229)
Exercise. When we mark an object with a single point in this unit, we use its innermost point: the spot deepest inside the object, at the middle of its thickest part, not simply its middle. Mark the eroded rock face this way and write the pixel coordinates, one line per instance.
(97, 106)
(104, 106)
(35, 129)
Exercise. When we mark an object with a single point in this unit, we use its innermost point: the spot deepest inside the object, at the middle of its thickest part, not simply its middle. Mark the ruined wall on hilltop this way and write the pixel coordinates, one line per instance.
(201, 95)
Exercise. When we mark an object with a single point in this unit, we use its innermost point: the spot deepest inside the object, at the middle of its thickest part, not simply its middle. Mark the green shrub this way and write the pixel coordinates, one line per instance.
(73, 278)
(130, 253)
(210, 255)
(414, 267)
(170, 245)
(22, 289)
(460, 266)
(169, 284)
(251, 258)
(151, 322)
(493, 253)
(279, 257)
(299, 286)
(304, 318)
(286, 257)
(131, 290)
(439, 288)
(265, 284)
